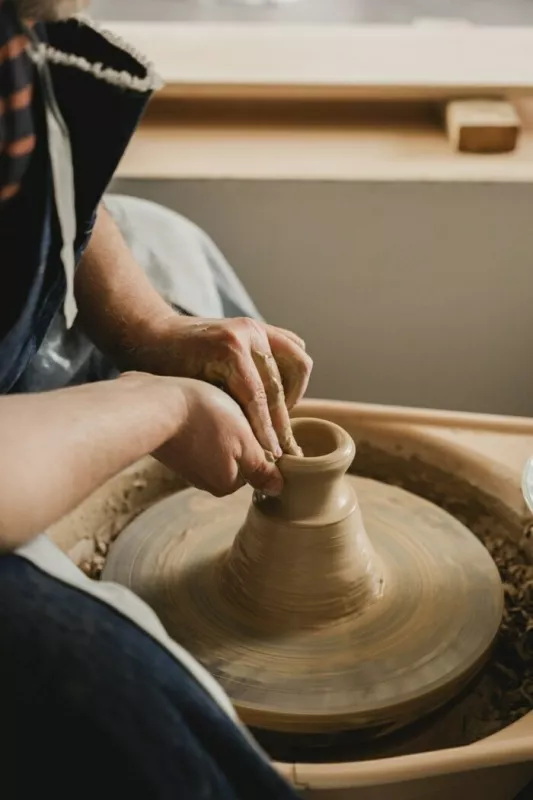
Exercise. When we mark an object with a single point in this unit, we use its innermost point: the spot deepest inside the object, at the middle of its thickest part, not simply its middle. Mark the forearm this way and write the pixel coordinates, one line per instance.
(119, 308)
(57, 447)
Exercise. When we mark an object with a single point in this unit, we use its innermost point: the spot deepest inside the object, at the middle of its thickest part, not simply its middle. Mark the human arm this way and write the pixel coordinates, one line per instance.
(57, 447)
(264, 368)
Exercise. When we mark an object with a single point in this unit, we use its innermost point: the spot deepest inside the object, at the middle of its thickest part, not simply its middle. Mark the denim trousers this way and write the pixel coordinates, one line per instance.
(93, 707)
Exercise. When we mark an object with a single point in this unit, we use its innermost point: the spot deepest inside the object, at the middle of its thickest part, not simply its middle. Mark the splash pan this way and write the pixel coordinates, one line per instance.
(473, 478)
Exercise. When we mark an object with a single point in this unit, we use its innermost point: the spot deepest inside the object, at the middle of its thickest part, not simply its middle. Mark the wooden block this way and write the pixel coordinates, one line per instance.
(482, 126)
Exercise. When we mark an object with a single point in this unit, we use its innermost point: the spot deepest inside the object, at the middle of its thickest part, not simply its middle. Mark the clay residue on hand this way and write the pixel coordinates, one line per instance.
(277, 406)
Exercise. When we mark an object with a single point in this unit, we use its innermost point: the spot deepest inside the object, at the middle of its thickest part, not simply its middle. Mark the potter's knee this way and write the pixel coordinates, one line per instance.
(41, 618)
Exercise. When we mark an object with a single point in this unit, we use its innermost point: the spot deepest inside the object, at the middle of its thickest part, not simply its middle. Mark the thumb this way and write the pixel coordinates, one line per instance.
(259, 469)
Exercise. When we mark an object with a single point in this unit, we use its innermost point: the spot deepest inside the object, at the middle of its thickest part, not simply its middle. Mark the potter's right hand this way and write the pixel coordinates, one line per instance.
(214, 447)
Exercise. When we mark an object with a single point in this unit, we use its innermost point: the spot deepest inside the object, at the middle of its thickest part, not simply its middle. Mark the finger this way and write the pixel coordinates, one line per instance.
(241, 481)
(218, 475)
(218, 485)
(294, 365)
(269, 373)
(273, 330)
(244, 383)
(260, 472)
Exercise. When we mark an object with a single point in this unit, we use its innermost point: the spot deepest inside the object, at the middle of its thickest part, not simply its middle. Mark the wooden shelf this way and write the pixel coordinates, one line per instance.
(405, 142)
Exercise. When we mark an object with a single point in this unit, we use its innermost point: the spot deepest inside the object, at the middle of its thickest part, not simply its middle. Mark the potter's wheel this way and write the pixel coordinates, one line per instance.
(312, 621)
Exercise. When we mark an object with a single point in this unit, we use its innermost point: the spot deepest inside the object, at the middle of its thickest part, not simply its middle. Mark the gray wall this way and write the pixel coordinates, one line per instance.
(412, 294)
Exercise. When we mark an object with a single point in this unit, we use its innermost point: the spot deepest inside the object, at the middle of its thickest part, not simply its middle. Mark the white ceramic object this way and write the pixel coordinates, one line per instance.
(527, 483)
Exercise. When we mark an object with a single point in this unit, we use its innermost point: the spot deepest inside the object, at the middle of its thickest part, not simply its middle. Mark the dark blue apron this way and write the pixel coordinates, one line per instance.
(101, 116)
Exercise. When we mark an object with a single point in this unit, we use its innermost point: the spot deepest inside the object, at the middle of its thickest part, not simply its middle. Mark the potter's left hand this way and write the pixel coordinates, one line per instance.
(265, 369)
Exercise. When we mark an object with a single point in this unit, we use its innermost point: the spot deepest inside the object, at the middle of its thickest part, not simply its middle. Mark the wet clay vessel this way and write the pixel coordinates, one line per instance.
(344, 604)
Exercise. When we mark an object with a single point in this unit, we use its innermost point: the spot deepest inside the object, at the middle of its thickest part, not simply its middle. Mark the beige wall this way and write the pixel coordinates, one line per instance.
(406, 293)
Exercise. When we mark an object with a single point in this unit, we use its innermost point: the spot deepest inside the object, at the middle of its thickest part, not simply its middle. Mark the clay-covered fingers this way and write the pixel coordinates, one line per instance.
(260, 471)
(241, 460)
(294, 364)
(253, 469)
(288, 334)
(214, 470)
(214, 447)
(271, 388)
(270, 376)
(245, 384)
(219, 485)
(258, 365)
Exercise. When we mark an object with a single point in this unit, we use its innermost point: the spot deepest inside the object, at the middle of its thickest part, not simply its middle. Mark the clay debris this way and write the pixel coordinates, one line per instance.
(511, 668)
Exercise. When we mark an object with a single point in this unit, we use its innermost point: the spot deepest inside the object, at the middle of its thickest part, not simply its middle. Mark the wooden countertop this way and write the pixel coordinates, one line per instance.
(311, 141)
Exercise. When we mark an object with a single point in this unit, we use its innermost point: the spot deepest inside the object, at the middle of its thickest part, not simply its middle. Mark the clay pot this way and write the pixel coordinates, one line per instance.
(304, 559)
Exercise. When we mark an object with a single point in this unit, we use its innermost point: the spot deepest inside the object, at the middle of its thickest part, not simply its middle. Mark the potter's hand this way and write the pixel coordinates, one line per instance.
(265, 369)
(213, 446)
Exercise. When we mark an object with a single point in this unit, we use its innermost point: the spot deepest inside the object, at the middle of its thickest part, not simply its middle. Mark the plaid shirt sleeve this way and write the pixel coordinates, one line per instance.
(17, 134)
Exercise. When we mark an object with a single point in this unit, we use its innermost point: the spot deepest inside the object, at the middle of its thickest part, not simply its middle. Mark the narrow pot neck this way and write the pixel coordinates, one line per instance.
(314, 491)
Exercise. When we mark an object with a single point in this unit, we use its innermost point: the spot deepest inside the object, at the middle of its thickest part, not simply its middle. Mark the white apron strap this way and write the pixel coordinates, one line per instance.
(62, 175)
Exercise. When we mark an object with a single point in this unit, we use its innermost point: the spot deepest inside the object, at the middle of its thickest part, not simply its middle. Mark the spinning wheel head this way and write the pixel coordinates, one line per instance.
(311, 620)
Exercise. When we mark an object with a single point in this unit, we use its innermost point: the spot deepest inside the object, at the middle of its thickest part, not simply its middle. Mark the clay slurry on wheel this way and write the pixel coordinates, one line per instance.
(311, 619)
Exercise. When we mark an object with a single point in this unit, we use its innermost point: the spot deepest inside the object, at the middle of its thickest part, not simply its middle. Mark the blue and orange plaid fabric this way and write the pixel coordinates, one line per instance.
(17, 134)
